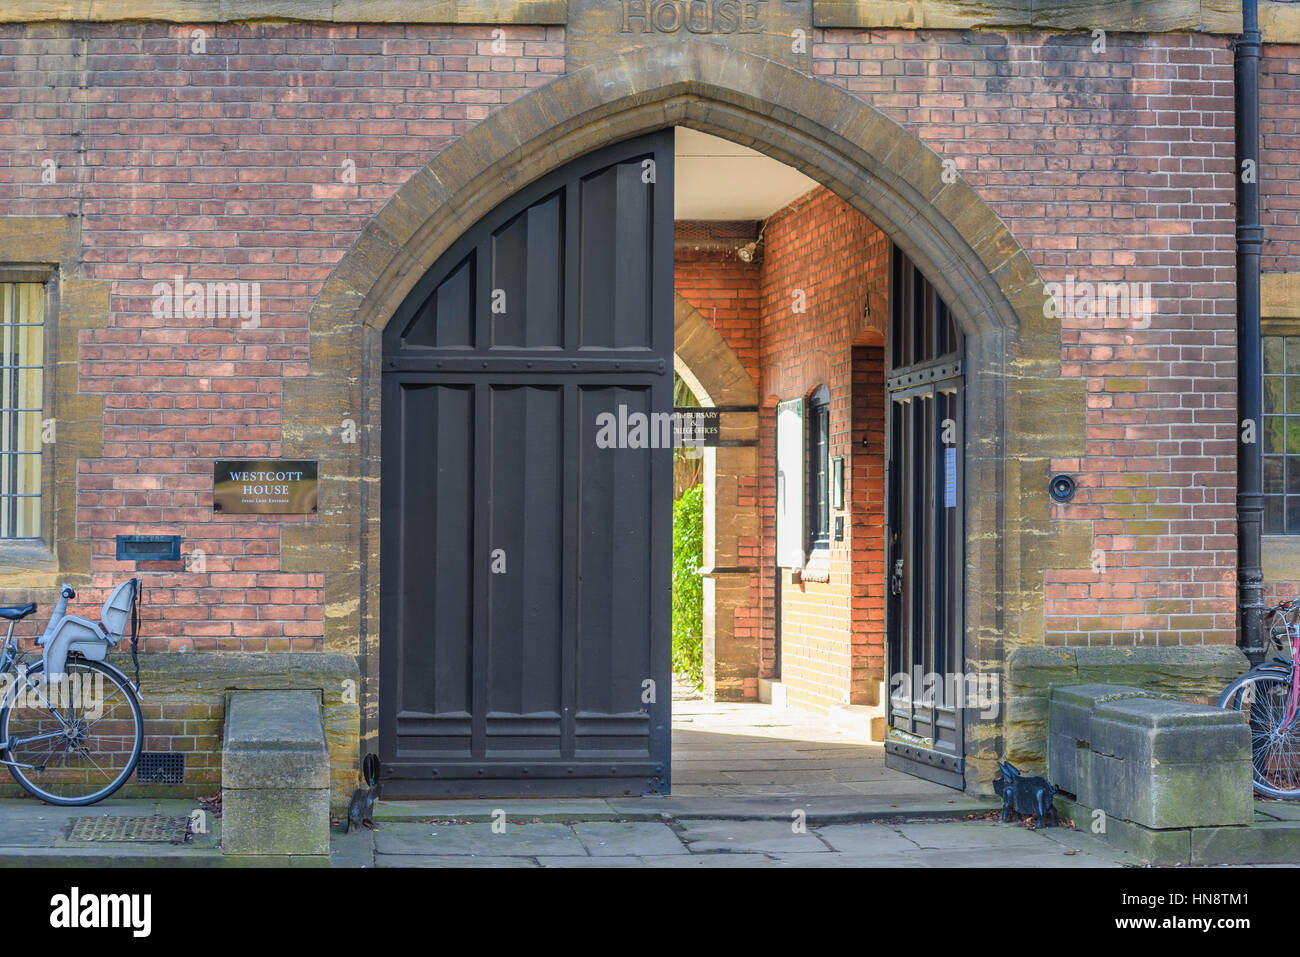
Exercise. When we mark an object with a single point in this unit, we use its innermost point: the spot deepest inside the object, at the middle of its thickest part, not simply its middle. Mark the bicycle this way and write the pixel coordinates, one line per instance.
(1269, 693)
(71, 730)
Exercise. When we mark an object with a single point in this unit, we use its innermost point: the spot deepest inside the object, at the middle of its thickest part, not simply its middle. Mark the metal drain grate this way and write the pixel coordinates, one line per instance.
(157, 829)
(158, 768)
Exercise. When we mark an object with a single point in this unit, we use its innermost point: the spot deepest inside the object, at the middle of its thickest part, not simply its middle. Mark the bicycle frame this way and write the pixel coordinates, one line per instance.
(8, 656)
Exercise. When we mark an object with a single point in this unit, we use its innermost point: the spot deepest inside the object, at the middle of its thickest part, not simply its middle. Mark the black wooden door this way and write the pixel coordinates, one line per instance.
(925, 534)
(525, 580)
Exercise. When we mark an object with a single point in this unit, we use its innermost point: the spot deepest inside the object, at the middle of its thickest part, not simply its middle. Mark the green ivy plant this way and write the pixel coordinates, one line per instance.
(688, 587)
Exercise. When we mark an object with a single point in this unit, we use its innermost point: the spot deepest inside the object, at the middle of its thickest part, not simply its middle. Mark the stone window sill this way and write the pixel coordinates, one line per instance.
(818, 566)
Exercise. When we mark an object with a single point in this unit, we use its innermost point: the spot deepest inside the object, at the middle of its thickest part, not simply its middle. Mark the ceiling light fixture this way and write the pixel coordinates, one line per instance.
(747, 252)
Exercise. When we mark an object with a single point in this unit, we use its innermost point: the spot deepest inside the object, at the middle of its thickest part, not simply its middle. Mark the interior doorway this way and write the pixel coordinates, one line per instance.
(801, 287)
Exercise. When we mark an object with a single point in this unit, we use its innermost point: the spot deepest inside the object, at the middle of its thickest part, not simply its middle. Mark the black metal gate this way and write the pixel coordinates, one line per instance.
(526, 503)
(926, 541)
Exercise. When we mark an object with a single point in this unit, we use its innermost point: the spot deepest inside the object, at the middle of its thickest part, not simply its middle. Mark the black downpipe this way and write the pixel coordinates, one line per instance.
(1250, 383)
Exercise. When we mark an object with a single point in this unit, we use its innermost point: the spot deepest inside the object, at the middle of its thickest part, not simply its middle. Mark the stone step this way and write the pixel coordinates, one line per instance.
(819, 810)
(1267, 840)
(275, 775)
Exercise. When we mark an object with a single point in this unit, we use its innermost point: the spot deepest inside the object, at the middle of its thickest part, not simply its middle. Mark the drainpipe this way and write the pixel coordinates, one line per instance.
(1250, 385)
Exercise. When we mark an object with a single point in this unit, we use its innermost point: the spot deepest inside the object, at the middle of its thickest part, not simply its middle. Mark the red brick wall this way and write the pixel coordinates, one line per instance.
(865, 495)
(1114, 166)
(831, 637)
(726, 291)
(229, 165)
(226, 165)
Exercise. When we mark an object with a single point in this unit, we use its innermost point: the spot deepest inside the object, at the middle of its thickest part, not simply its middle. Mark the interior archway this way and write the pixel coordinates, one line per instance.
(716, 375)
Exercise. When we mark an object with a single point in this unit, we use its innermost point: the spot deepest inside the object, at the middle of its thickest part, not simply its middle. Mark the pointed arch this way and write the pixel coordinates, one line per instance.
(1022, 413)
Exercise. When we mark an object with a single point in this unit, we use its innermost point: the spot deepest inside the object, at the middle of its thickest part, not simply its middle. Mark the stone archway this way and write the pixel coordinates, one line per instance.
(714, 373)
(1022, 412)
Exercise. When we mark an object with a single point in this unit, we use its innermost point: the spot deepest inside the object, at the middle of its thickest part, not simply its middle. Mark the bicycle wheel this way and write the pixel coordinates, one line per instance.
(80, 738)
(1278, 633)
(1275, 753)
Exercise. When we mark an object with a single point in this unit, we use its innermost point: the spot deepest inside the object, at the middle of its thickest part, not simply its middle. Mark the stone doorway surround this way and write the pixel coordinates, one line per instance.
(1021, 412)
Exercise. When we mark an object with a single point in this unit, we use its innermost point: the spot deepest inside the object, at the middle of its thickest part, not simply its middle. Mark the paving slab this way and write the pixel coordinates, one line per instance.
(620, 862)
(960, 835)
(1008, 856)
(709, 860)
(529, 809)
(765, 790)
(865, 839)
(789, 859)
(748, 836)
(352, 850)
(422, 860)
(467, 840)
(821, 809)
(628, 839)
(1089, 843)
(1278, 810)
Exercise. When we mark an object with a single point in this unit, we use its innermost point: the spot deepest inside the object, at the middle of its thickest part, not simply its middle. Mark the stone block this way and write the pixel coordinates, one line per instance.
(1153, 846)
(1183, 670)
(280, 822)
(1072, 706)
(1276, 842)
(275, 774)
(1063, 761)
(1167, 764)
(274, 739)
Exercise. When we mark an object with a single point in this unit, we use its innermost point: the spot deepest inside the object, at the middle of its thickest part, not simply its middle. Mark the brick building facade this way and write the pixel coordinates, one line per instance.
(314, 158)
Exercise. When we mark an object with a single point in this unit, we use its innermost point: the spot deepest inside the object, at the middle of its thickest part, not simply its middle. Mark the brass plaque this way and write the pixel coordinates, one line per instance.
(780, 30)
(264, 487)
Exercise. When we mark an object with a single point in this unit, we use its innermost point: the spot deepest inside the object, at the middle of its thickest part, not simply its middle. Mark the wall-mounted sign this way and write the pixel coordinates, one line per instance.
(700, 427)
(950, 478)
(264, 487)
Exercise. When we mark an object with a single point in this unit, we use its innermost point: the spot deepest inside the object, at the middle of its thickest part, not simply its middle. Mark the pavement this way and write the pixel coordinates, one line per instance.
(712, 842)
(753, 786)
(560, 833)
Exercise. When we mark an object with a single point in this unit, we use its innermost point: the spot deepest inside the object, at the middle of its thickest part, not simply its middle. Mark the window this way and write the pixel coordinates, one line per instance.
(819, 452)
(1281, 438)
(22, 337)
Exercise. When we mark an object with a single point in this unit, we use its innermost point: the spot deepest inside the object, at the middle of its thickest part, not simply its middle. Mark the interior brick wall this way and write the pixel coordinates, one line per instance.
(831, 641)
(726, 291)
